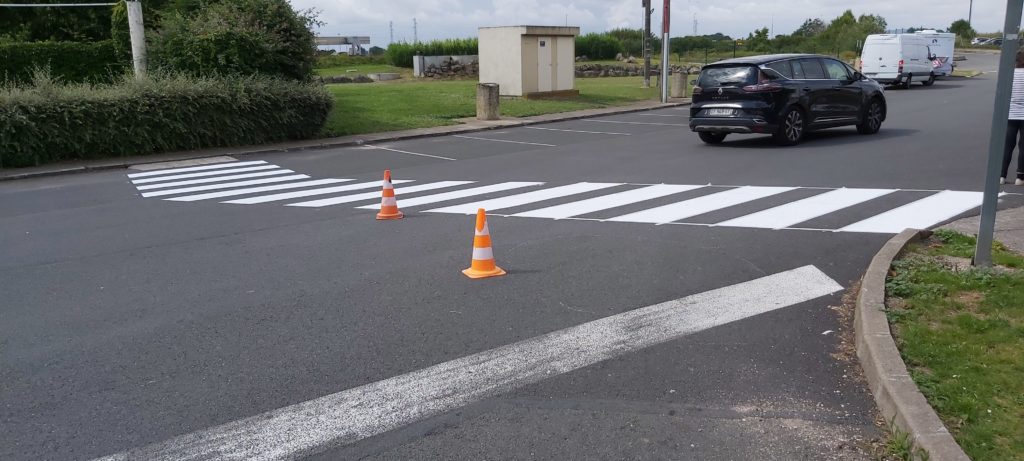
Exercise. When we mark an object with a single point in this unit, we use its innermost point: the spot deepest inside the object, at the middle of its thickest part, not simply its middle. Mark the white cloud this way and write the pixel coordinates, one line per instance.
(461, 18)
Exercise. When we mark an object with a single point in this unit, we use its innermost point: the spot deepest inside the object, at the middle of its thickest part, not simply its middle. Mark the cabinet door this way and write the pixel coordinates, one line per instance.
(545, 70)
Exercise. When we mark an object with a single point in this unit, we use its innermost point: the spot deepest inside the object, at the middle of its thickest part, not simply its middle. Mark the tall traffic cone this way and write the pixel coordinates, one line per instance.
(483, 257)
(388, 202)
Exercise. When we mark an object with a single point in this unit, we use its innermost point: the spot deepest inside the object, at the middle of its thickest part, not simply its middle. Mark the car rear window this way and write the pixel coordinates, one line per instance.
(727, 76)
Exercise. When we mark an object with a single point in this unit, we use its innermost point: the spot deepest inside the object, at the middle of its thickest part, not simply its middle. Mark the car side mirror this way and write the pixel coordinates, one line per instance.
(857, 76)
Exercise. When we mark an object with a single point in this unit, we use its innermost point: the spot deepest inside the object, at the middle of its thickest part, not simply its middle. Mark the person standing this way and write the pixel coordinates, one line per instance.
(1015, 124)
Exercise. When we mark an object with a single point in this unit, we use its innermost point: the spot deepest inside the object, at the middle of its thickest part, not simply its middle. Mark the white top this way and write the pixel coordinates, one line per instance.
(1017, 96)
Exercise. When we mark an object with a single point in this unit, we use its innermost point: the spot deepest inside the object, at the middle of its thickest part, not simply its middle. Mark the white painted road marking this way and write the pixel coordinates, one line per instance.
(504, 140)
(194, 168)
(312, 192)
(227, 185)
(256, 190)
(233, 177)
(204, 174)
(376, 195)
(700, 205)
(523, 199)
(919, 214)
(606, 202)
(634, 123)
(806, 209)
(410, 153)
(575, 131)
(442, 197)
(345, 417)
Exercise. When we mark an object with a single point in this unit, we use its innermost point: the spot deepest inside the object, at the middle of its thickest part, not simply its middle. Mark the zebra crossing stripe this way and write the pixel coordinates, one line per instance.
(234, 177)
(920, 214)
(256, 190)
(700, 205)
(377, 194)
(804, 210)
(204, 174)
(227, 185)
(523, 199)
(442, 197)
(194, 168)
(606, 202)
(311, 192)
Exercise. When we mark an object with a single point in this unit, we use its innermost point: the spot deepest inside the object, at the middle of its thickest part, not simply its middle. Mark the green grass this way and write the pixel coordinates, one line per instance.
(401, 105)
(360, 69)
(961, 333)
(966, 73)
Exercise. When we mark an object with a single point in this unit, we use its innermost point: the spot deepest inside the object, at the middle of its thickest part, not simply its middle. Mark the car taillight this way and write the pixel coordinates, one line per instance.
(763, 88)
(901, 67)
(697, 90)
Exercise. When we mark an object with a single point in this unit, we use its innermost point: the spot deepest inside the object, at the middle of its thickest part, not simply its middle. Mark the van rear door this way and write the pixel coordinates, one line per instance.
(880, 58)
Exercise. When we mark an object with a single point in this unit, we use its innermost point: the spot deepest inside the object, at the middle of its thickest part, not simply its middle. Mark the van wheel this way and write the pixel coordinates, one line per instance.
(930, 81)
(711, 138)
(792, 128)
(906, 84)
(872, 118)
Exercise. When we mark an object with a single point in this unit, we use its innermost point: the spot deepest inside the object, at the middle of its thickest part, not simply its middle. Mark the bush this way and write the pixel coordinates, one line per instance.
(240, 37)
(341, 60)
(48, 121)
(598, 46)
(94, 62)
(400, 54)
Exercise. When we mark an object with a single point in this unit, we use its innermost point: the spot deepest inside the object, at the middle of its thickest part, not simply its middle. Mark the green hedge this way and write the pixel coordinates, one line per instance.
(69, 61)
(598, 46)
(49, 122)
(400, 54)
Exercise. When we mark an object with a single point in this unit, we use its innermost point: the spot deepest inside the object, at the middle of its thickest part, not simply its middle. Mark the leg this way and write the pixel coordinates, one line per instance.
(1012, 128)
(1020, 152)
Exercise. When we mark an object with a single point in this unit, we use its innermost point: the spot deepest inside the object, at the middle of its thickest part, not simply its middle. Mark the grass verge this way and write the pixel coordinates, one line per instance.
(966, 73)
(357, 69)
(961, 332)
(402, 105)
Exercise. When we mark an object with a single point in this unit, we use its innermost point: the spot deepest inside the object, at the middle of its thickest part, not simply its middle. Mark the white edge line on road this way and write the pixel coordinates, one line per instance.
(634, 123)
(504, 140)
(355, 414)
(410, 153)
(576, 131)
(660, 115)
(213, 166)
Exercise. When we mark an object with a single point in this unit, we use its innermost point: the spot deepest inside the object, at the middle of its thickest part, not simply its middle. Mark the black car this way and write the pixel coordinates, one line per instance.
(784, 95)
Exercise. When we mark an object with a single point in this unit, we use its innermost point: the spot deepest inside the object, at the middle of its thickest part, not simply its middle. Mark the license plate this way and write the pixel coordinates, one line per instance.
(719, 112)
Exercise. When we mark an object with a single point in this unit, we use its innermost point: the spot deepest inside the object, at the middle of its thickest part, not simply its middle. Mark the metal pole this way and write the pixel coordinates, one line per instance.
(997, 139)
(970, 12)
(647, 43)
(137, 31)
(664, 50)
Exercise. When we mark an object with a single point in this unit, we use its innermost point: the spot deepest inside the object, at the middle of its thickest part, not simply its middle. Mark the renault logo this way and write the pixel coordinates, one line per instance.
(720, 91)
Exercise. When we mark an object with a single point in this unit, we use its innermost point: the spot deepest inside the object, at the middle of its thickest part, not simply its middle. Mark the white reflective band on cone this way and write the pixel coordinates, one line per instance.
(486, 231)
(388, 201)
(483, 254)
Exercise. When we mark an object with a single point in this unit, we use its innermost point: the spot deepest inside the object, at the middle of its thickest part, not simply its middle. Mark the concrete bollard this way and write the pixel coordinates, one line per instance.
(678, 87)
(488, 101)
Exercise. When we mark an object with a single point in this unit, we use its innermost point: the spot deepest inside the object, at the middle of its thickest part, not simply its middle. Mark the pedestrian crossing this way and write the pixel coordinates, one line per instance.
(857, 210)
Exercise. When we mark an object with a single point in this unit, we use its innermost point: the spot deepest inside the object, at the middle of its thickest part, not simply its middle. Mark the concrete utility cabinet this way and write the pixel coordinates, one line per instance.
(530, 61)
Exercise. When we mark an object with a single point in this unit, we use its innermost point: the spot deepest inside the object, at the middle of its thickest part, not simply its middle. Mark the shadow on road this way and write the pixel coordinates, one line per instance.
(818, 139)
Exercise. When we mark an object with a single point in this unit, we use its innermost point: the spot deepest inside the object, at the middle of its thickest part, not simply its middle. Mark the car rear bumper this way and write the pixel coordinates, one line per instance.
(731, 125)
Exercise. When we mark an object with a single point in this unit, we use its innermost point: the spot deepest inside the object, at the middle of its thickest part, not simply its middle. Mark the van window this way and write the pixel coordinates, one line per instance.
(782, 67)
(741, 75)
(812, 69)
(836, 70)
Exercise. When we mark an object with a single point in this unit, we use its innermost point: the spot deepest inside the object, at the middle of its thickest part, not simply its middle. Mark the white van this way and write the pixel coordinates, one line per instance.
(941, 45)
(897, 59)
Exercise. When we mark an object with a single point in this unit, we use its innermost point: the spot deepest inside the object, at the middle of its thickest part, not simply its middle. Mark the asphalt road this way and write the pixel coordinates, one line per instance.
(128, 321)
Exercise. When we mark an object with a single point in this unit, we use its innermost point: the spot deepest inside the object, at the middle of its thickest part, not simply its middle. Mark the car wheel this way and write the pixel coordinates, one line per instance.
(792, 127)
(906, 84)
(872, 121)
(711, 138)
(930, 81)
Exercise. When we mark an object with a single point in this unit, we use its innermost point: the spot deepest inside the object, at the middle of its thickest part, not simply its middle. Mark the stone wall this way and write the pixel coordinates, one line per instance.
(441, 67)
(628, 70)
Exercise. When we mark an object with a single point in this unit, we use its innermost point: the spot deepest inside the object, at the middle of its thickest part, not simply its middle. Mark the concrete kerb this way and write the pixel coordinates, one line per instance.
(326, 143)
(896, 395)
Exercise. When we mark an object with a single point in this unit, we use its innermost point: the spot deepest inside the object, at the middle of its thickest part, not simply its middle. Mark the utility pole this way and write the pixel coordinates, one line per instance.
(665, 15)
(137, 32)
(1001, 111)
(647, 42)
(970, 11)
(391, 30)
(415, 31)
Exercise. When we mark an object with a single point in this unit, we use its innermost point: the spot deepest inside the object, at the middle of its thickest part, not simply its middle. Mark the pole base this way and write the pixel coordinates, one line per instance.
(388, 217)
(479, 274)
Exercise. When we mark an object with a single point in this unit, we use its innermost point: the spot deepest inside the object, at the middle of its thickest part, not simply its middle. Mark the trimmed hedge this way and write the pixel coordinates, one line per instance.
(50, 122)
(95, 62)
(401, 54)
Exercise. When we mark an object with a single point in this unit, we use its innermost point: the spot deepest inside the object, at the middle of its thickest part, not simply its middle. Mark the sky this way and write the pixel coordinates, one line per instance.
(438, 19)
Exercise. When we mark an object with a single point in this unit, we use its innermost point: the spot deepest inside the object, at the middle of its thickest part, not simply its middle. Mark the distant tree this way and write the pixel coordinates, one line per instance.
(963, 29)
(871, 24)
(758, 40)
(811, 28)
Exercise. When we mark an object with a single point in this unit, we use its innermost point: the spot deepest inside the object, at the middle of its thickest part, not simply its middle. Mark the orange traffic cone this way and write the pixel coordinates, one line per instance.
(388, 202)
(483, 257)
